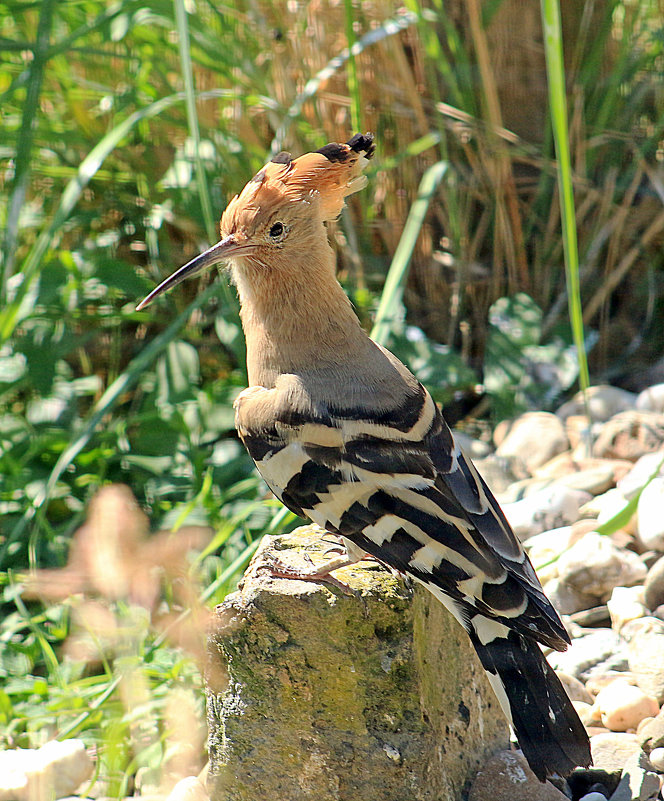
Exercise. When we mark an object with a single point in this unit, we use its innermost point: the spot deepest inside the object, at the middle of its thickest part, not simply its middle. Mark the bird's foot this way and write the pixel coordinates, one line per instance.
(322, 573)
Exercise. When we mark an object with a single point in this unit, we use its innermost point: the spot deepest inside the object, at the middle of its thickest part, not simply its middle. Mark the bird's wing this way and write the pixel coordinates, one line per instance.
(398, 486)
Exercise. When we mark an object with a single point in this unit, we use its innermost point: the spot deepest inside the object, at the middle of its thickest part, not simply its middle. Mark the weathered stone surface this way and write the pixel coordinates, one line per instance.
(638, 781)
(530, 441)
(313, 693)
(545, 509)
(622, 706)
(650, 521)
(52, 771)
(507, 777)
(646, 654)
(651, 735)
(603, 402)
(629, 435)
(594, 565)
(611, 750)
(653, 588)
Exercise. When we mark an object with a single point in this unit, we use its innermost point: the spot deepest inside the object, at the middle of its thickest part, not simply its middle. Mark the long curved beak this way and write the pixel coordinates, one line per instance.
(223, 250)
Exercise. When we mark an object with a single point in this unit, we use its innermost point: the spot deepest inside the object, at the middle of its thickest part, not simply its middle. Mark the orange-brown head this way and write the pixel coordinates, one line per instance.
(282, 209)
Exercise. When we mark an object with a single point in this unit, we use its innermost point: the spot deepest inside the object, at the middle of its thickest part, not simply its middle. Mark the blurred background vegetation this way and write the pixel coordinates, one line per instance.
(127, 126)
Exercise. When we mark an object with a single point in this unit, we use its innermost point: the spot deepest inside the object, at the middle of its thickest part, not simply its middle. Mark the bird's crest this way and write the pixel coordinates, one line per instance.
(327, 176)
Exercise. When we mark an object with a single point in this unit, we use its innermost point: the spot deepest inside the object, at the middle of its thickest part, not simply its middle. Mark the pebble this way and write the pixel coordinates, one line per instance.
(611, 750)
(653, 587)
(606, 506)
(595, 566)
(650, 520)
(496, 472)
(626, 604)
(190, 788)
(574, 688)
(646, 654)
(530, 441)
(546, 547)
(632, 483)
(657, 759)
(59, 765)
(566, 600)
(506, 777)
(549, 508)
(622, 706)
(601, 648)
(629, 435)
(604, 402)
(594, 796)
(651, 735)
(651, 399)
(638, 781)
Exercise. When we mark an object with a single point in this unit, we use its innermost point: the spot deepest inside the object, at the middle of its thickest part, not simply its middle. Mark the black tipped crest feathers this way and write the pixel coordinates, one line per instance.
(325, 178)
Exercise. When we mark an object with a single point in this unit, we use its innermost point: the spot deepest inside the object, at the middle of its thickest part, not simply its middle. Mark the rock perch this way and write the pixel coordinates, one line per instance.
(317, 694)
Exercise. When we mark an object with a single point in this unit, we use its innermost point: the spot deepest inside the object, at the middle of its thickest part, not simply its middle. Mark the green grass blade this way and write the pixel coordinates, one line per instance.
(351, 70)
(558, 109)
(24, 144)
(390, 301)
(192, 118)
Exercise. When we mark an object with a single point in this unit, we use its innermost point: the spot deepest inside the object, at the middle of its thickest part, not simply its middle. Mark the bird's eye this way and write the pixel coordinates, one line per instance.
(277, 230)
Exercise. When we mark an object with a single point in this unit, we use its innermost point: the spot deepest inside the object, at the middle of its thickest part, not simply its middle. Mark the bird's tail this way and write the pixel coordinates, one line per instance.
(546, 724)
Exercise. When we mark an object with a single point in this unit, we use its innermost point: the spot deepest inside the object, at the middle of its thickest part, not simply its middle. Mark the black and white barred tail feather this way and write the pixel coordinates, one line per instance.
(549, 731)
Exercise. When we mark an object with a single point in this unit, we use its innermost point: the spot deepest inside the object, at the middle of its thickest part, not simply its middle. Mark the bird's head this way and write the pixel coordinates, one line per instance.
(281, 208)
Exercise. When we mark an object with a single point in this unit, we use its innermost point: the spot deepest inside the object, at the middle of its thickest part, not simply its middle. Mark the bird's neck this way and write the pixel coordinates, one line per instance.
(296, 318)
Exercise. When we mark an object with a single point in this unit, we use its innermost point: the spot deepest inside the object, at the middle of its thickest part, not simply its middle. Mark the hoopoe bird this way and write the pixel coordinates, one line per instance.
(345, 435)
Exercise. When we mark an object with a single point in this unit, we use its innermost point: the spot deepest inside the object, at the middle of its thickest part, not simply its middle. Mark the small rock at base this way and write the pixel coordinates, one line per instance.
(507, 777)
(188, 789)
(638, 782)
(657, 759)
(651, 736)
(610, 751)
(653, 588)
(651, 399)
(594, 796)
(595, 566)
(623, 706)
(650, 522)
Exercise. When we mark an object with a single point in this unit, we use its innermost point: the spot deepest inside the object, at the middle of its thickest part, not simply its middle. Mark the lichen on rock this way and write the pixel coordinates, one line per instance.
(313, 693)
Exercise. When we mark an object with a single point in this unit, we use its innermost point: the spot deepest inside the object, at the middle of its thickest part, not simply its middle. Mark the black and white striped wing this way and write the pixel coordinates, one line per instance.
(398, 487)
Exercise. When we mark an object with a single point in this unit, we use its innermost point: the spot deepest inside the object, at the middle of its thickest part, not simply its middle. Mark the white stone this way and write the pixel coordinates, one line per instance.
(544, 510)
(610, 750)
(603, 402)
(657, 759)
(623, 706)
(594, 566)
(567, 600)
(594, 796)
(650, 519)
(633, 482)
(190, 788)
(651, 399)
(605, 506)
(547, 546)
(626, 604)
(53, 771)
(532, 440)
